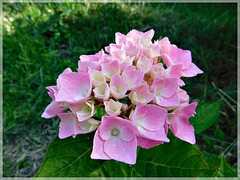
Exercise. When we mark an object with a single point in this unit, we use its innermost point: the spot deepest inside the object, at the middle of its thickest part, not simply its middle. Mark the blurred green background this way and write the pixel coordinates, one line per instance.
(40, 40)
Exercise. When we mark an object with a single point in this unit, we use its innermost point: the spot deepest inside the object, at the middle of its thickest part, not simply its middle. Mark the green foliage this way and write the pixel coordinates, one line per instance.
(207, 113)
(71, 158)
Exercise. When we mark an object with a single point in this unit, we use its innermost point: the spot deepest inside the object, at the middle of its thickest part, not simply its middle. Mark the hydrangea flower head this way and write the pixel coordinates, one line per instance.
(138, 84)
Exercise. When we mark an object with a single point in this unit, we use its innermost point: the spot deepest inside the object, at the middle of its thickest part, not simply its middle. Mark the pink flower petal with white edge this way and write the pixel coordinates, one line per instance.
(151, 117)
(102, 91)
(118, 87)
(97, 77)
(147, 143)
(75, 87)
(83, 110)
(84, 66)
(53, 109)
(141, 94)
(132, 77)
(113, 108)
(164, 87)
(120, 150)
(124, 128)
(191, 71)
(144, 64)
(96, 57)
(67, 124)
(97, 152)
(110, 69)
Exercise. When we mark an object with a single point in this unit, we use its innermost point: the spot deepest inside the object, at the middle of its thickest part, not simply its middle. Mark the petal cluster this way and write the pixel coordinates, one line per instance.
(138, 83)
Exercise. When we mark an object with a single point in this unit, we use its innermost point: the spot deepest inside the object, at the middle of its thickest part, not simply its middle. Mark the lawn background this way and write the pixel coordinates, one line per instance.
(40, 40)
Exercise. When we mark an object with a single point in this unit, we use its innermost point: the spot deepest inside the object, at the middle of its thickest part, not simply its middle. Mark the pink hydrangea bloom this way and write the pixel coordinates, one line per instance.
(137, 82)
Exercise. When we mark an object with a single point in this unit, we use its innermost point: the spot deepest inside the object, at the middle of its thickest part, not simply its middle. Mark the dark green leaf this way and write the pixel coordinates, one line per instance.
(207, 113)
(69, 158)
(225, 170)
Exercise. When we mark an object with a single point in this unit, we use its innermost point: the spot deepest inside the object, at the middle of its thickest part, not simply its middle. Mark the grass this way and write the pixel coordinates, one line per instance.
(40, 40)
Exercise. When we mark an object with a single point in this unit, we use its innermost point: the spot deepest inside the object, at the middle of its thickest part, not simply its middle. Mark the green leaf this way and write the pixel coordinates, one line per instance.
(225, 170)
(207, 113)
(174, 159)
(69, 158)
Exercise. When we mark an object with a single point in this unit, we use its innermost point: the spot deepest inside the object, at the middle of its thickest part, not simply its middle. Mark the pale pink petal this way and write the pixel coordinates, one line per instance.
(179, 124)
(75, 87)
(144, 64)
(86, 126)
(102, 91)
(146, 38)
(110, 69)
(112, 107)
(152, 51)
(83, 110)
(53, 109)
(191, 71)
(66, 127)
(120, 38)
(118, 87)
(95, 57)
(167, 102)
(120, 150)
(97, 77)
(134, 34)
(157, 71)
(97, 152)
(52, 91)
(164, 87)
(133, 48)
(66, 71)
(182, 129)
(132, 77)
(151, 117)
(141, 94)
(174, 71)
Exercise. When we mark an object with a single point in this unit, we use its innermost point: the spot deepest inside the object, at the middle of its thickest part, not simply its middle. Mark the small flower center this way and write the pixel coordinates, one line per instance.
(115, 132)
